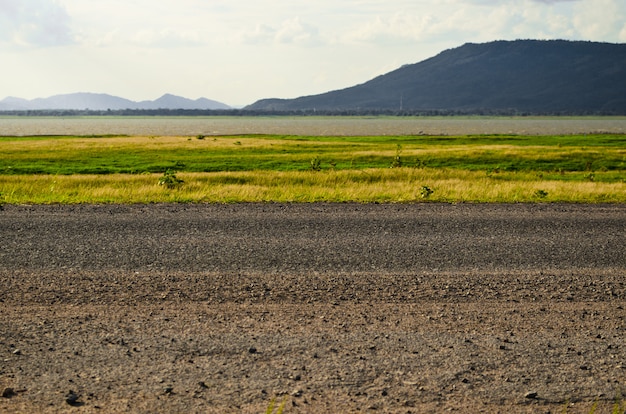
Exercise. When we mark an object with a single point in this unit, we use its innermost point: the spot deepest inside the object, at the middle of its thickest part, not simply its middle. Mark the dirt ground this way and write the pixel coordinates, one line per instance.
(330, 308)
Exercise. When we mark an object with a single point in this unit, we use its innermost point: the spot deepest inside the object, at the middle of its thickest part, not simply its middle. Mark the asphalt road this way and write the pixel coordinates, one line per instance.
(314, 238)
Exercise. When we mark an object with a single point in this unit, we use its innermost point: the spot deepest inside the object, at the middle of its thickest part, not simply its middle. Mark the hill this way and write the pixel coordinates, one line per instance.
(522, 75)
(100, 101)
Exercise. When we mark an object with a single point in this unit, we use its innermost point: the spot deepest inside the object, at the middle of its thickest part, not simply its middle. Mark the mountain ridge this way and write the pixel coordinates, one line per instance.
(524, 75)
(103, 101)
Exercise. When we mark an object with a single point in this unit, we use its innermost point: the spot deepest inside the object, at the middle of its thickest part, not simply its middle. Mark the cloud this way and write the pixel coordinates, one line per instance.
(507, 2)
(39, 23)
(553, 1)
(486, 20)
(167, 38)
(295, 31)
(290, 31)
(601, 19)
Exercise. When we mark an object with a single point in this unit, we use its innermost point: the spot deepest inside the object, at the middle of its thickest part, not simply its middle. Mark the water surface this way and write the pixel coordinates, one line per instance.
(165, 126)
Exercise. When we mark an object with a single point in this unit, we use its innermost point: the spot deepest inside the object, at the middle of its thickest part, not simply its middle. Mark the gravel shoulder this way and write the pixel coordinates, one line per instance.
(335, 307)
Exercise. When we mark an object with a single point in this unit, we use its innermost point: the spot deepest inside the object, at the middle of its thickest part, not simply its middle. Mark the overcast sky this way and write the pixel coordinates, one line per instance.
(239, 51)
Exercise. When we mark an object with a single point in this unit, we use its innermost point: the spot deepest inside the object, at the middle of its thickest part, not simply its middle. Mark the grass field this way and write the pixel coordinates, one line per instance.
(250, 168)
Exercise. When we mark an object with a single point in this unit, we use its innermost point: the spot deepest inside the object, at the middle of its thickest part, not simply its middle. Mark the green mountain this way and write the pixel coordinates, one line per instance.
(522, 75)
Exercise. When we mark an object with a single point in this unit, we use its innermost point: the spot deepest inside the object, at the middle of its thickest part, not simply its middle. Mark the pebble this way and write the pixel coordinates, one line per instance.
(72, 398)
(8, 393)
(531, 395)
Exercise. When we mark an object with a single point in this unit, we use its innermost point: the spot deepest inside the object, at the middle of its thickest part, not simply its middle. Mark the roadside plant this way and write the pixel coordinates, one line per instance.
(541, 193)
(397, 160)
(170, 180)
(280, 408)
(618, 406)
(316, 164)
(200, 137)
(426, 191)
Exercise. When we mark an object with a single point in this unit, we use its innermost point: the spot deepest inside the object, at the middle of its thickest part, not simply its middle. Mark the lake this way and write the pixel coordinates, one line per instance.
(167, 126)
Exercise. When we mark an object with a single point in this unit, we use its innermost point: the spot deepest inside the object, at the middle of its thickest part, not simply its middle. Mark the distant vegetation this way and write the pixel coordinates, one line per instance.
(495, 168)
(311, 112)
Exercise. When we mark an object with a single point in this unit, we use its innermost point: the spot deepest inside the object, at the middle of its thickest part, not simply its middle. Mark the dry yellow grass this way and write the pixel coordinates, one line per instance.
(371, 185)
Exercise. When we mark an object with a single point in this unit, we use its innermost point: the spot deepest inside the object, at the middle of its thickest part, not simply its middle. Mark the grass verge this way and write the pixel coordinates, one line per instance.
(252, 168)
(368, 185)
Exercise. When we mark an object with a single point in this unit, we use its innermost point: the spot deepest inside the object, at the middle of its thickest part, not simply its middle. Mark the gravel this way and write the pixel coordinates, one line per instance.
(335, 307)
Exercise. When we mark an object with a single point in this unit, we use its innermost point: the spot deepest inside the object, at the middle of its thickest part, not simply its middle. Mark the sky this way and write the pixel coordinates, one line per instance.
(240, 51)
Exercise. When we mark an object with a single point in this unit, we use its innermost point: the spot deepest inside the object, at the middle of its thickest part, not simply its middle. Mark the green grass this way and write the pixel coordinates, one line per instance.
(132, 155)
(497, 168)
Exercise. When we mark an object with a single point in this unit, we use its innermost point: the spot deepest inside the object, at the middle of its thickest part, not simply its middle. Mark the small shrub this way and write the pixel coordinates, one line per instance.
(541, 193)
(200, 137)
(316, 164)
(397, 160)
(426, 191)
(170, 180)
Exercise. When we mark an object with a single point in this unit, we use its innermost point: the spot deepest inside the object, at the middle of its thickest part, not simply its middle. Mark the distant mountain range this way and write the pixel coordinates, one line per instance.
(524, 75)
(100, 101)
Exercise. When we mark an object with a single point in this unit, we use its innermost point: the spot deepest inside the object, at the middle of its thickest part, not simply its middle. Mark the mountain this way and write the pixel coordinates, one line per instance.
(524, 75)
(100, 101)
(12, 102)
(178, 102)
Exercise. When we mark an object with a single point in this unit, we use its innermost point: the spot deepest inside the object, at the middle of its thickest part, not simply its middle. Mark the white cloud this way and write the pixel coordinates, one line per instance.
(262, 33)
(398, 27)
(34, 23)
(600, 19)
(295, 31)
(167, 38)
(554, 1)
(292, 31)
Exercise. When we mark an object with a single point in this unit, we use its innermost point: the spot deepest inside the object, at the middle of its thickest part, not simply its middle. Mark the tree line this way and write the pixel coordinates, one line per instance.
(305, 112)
